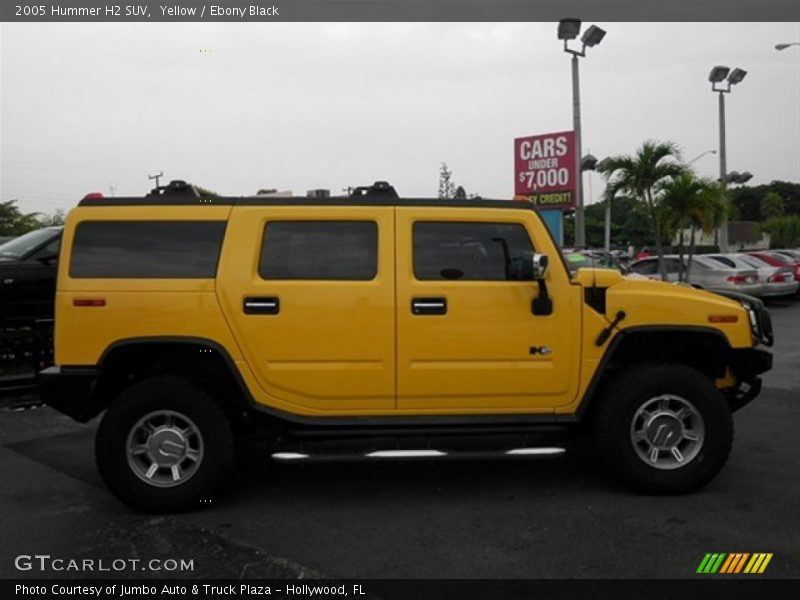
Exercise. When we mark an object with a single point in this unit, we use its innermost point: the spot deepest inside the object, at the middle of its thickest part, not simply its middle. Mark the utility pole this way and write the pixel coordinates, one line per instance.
(156, 177)
(112, 188)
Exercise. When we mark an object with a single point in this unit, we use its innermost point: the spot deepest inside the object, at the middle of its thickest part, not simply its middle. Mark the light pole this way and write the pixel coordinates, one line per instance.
(780, 47)
(699, 156)
(568, 29)
(601, 166)
(717, 76)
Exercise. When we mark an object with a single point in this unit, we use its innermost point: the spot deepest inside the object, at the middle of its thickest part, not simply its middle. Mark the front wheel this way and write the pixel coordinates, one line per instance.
(164, 445)
(663, 429)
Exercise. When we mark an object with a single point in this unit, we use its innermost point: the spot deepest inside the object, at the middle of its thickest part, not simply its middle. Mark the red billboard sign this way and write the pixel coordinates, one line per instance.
(544, 170)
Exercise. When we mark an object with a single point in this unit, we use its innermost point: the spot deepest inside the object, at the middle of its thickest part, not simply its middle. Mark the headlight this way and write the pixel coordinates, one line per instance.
(760, 322)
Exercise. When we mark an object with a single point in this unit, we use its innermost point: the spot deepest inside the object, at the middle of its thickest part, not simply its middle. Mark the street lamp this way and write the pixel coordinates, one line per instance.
(568, 29)
(780, 47)
(722, 78)
(736, 177)
(589, 162)
(699, 156)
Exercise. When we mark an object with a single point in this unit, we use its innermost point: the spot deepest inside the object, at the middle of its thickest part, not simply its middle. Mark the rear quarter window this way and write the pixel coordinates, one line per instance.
(146, 249)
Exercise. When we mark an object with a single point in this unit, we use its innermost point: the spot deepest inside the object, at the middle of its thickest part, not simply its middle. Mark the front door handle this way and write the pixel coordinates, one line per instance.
(262, 306)
(429, 306)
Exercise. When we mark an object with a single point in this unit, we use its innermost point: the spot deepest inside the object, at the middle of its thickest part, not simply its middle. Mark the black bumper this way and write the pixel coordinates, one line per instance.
(69, 390)
(747, 365)
(750, 362)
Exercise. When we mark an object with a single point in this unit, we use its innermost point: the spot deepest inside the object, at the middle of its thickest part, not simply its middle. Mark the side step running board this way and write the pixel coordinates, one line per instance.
(539, 452)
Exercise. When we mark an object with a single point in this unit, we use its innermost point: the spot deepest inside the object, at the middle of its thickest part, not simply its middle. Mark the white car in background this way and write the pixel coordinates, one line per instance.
(776, 281)
(705, 273)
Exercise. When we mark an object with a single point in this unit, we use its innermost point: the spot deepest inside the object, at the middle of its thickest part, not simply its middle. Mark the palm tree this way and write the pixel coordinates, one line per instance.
(639, 175)
(711, 205)
(687, 202)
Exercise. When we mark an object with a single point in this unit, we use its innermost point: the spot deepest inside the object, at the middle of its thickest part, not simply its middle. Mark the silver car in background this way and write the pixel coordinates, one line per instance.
(777, 281)
(705, 273)
(792, 254)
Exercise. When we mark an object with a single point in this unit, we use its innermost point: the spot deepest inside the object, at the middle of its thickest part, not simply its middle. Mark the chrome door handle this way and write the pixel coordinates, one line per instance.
(262, 306)
(429, 306)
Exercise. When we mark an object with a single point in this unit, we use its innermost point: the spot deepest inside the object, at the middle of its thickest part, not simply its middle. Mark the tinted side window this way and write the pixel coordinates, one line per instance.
(336, 250)
(471, 251)
(146, 249)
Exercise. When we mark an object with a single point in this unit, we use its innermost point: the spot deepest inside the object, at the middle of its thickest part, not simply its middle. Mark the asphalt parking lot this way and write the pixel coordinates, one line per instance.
(559, 518)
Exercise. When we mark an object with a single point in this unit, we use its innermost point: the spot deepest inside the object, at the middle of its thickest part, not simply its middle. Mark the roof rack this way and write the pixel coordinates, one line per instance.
(380, 190)
(176, 187)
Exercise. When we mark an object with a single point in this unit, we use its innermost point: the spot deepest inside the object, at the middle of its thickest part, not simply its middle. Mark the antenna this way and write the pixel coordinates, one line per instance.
(156, 177)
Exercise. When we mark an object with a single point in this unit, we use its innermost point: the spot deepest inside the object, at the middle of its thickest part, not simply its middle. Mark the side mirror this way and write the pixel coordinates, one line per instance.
(542, 304)
(47, 259)
(539, 264)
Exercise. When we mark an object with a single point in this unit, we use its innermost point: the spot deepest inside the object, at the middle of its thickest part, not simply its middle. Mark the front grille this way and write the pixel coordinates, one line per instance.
(764, 324)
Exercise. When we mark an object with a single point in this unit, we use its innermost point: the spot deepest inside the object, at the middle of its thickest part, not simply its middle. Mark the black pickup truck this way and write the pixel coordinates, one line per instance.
(28, 266)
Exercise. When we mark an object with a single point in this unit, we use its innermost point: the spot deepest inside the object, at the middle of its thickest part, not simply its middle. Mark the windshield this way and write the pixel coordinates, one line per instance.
(19, 247)
(577, 261)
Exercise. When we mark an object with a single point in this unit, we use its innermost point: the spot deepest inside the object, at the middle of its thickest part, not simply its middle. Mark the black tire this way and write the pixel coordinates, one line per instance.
(147, 400)
(638, 387)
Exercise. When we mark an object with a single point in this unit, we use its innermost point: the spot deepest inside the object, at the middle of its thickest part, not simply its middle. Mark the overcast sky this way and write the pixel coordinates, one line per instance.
(302, 106)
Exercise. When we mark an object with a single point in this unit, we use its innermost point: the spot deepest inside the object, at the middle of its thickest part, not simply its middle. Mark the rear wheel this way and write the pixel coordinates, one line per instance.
(164, 445)
(663, 429)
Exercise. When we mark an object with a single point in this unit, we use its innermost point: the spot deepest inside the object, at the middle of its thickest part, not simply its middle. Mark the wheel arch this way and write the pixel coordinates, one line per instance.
(128, 361)
(702, 348)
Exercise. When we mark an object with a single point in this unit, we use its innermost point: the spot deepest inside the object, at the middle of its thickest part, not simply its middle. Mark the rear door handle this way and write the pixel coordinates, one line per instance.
(429, 306)
(262, 306)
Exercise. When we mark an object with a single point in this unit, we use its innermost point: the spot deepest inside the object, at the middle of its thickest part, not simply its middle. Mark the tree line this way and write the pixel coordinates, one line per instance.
(14, 222)
(654, 195)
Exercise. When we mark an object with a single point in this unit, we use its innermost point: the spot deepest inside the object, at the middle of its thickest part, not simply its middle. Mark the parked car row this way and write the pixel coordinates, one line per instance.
(764, 274)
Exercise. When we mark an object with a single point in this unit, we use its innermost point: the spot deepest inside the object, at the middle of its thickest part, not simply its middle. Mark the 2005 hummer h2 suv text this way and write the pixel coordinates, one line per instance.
(368, 325)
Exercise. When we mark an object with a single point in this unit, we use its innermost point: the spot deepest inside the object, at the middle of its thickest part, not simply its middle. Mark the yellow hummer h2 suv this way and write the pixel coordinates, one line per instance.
(383, 327)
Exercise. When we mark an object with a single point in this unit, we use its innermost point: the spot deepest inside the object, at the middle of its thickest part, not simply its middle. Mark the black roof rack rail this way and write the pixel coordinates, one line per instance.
(176, 187)
(380, 190)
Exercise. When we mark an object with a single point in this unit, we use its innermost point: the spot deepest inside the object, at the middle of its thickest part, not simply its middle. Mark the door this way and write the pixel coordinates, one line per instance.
(309, 294)
(467, 338)
(31, 293)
